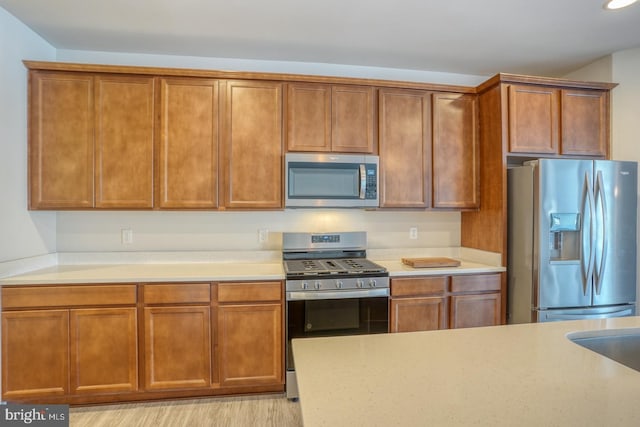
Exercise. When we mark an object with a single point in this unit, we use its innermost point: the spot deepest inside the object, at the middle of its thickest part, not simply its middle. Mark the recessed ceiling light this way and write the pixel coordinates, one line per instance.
(618, 4)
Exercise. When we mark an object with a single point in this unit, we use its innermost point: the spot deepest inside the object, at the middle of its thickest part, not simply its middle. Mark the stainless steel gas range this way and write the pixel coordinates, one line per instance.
(331, 289)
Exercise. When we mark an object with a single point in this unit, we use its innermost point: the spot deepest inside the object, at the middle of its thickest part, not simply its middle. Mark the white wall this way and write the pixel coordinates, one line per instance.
(22, 233)
(208, 231)
(626, 105)
(231, 64)
(600, 70)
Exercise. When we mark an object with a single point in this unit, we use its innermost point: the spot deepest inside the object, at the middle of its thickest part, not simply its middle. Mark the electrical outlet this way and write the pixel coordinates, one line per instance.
(126, 236)
(413, 233)
(263, 235)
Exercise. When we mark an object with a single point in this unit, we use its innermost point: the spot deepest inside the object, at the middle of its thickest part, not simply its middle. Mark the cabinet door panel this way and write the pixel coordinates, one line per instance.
(35, 354)
(474, 310)
(188, 144)
(455, 151)
(533, 119)
(250, 344)
(253, 145)
(124, 143)
(352, 119)
(418, 314)
(585, 129)
(61, 141)
(405, 148)
(104, 356)
(177, 347)
(308, 117)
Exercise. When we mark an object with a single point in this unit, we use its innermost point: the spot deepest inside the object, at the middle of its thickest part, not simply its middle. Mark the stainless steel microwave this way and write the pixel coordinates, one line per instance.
(331, 180)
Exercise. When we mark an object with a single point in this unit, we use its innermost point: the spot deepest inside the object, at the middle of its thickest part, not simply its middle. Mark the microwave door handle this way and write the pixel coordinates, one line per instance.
(363, 180)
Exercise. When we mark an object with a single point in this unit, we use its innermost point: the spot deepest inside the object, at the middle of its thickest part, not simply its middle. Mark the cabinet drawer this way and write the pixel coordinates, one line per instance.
(255, 291)
(418, 286)
(176, 293)
(67, 296)
(479, 283)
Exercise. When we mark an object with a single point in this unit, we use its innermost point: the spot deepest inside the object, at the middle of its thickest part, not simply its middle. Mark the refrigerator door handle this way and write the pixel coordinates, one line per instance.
(601, 229)
(588, 256)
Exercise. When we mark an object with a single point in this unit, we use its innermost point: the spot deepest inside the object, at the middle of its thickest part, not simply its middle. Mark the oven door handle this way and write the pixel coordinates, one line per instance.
(365, 293)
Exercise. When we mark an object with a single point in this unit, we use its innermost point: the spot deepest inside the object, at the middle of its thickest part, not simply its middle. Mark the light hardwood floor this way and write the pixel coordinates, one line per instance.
(266, 410)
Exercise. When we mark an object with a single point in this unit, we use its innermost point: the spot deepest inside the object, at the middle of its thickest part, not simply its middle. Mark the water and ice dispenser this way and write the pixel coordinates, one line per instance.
(564, 237)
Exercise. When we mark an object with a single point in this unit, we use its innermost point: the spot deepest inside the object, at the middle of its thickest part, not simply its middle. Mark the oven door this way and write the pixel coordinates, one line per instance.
(334, 313)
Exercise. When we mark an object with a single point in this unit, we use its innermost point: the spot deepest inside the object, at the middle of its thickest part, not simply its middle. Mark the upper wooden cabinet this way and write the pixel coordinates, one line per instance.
(91, 141)
(187, 150)
(405, 148)
(308, 117)
(61, 145)
(558, 121)
(338, 118)
(455, 151)
(124, 142)
(428, 149)
(252, 145)
(585, 122)
(533, 119)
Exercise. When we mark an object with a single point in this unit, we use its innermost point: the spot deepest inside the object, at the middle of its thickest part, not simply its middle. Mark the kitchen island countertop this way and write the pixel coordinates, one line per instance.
(514, 375)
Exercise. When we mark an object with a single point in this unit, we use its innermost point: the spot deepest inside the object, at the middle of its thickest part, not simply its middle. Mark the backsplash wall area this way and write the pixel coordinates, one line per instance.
(231, 230)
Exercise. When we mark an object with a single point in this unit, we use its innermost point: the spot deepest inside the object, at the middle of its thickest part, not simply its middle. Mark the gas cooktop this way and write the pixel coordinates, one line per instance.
(316, 267)
(328, 255)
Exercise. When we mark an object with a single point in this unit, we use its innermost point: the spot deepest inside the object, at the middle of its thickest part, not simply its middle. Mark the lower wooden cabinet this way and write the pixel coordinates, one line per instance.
(441, 302)
(50, 349)
(177, 336)
(35, 354)
(475, 300)
(250, 333)
(475, 310)
(177, 351)
(418, 314)
(103, 350)
(418, 304)
(125, 342)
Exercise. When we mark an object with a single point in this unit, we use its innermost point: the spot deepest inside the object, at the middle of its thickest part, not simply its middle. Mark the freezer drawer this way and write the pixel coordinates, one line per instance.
(586, 313)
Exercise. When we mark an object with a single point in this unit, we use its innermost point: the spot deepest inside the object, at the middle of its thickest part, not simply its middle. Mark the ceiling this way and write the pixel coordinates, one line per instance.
(538, 37)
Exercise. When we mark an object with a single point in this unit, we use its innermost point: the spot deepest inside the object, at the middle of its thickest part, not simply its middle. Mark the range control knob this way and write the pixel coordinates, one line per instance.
(359, 283)
(339, 284)
(372, 283)
(305, 285)
(317, 284)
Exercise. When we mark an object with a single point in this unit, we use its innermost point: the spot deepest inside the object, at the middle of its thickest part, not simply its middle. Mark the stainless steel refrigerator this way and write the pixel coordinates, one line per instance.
(571, 240)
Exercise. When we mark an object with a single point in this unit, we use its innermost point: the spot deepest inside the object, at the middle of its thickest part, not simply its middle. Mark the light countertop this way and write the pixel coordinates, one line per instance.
(154, 269)
(514, 375)
(398, 269)
(170, 272)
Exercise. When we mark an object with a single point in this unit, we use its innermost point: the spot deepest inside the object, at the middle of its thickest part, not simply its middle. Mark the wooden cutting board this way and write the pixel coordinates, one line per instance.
(431, 262)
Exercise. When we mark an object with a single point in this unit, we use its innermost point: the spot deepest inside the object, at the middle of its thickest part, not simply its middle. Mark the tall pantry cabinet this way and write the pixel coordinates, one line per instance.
(523, 118)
